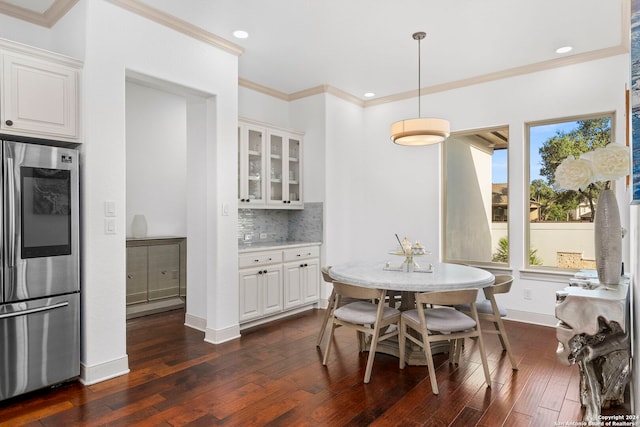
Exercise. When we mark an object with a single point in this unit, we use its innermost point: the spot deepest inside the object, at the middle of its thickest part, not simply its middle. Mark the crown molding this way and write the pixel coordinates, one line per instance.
(46, 19)
(621, 49)
(179, 25)
(503, 74)
(262, 89)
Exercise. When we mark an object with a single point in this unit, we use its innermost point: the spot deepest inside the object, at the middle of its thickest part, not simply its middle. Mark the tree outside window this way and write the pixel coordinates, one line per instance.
(561, 222)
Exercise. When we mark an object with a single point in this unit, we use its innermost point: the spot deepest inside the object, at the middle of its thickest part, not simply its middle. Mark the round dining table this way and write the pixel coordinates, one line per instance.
(438, 276)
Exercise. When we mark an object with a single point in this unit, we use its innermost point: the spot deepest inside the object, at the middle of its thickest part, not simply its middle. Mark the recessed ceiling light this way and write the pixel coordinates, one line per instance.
(240, 34)
(564, 49)
(369, 95)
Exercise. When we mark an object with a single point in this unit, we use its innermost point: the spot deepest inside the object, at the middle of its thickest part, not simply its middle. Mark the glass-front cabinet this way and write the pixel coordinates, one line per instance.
(270, 167)
(251, 163)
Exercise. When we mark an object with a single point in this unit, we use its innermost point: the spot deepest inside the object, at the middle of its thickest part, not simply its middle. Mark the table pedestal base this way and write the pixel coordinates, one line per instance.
(414, 355)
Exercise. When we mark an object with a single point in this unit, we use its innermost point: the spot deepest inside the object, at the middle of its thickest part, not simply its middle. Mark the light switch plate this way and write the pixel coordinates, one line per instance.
(110, 208)
(109, 226)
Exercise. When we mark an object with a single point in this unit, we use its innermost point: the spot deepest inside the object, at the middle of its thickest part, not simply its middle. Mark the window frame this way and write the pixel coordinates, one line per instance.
(445, 184)
(534, 269)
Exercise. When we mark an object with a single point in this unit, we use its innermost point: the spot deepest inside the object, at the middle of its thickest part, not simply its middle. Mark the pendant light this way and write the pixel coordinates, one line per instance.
(419, 131)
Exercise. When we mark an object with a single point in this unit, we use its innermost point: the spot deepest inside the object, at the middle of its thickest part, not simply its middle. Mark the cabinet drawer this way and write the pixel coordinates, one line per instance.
(137, 268)
(301, 253)
(259, 258)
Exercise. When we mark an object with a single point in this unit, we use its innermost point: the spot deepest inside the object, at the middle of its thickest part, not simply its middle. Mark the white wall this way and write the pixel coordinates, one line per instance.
(375, 189)
(140, 45)
(156, 153)
(468, 201)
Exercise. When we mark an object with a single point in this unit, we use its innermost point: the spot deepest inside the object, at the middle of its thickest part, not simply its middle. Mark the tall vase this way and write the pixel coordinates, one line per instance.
(608, 238)
(139, 226)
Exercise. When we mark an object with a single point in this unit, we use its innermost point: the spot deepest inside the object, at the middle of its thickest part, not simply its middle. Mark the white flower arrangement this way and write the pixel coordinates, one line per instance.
(602, 164)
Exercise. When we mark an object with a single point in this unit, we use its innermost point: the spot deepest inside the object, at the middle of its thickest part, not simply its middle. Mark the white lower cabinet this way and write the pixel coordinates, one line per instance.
(260, 292)
(276, 282)
(301, 282)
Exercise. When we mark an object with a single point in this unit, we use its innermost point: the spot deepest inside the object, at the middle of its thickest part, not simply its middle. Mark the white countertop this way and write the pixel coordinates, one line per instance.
(265, 246)
(444, 276)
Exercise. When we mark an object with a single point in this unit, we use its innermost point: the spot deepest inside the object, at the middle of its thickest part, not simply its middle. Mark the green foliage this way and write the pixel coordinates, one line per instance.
(587, 136)
(502, 253)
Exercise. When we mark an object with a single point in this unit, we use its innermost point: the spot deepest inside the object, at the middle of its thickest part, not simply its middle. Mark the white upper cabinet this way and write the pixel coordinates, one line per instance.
(270, 167)
(39, 93)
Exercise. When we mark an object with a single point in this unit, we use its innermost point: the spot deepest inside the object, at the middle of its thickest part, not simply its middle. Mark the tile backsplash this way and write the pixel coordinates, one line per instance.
(303, 225)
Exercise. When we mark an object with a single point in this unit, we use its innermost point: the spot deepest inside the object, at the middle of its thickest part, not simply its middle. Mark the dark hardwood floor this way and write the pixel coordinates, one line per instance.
(274, 376)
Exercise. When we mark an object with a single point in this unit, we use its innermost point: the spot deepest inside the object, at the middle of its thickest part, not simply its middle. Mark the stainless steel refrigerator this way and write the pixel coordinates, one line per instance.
(39, 278)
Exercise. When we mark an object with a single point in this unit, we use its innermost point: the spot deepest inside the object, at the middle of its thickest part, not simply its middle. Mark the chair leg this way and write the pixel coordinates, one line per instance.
(328, 346)
(459, 347)
(504, 340)
(483, 356)
(426, 347)
(372, 354)
(327, 314)
(402, 343)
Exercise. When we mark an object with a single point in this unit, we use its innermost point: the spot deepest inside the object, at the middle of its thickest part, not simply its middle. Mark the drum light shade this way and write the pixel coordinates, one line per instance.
(420, 131)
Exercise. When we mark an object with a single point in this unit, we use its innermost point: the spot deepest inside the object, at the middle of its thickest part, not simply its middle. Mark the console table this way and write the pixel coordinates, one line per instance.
(594, 332)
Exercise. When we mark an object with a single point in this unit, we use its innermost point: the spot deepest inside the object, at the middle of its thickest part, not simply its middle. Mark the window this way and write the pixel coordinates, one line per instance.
(476, 196)
(561, 222)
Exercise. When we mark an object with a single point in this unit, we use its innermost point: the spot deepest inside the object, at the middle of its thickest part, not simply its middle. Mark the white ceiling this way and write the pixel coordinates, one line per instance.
(366, 45)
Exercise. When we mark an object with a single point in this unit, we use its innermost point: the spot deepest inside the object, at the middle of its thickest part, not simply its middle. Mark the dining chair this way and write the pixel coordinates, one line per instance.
(442, 323)
(488, 309)
(327, 313)
(363, 316)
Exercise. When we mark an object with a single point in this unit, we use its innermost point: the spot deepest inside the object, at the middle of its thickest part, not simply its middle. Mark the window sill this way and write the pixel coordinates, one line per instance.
(560, 276)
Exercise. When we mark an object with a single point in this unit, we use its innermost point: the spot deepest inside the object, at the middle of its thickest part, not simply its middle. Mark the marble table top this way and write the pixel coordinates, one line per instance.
(444, 276)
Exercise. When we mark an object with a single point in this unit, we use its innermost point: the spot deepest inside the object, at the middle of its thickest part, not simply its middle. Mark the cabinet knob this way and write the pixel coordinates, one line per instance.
(164, 272)
(9, 122)
(129, 276)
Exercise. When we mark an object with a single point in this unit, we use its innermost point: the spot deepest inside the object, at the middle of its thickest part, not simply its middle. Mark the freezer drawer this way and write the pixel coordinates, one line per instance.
(39, 343)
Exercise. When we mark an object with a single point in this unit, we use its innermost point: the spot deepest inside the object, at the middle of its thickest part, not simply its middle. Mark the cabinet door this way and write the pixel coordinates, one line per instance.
(39, 97)
(293, 284)
(311, 281)
(272, 290)
(294, 172)
(164, 271)
(251, 161)
(275, 189)
(137, 275)
(250, 301)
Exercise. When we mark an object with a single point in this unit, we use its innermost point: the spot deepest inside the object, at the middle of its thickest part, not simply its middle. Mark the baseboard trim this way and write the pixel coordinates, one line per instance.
(533, 318)
(218, 336)
(195, 322)
(104, 371)
(263, 320)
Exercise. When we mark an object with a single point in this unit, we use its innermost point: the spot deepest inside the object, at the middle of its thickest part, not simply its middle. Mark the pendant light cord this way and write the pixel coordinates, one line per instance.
(419, 36)
(419, 83)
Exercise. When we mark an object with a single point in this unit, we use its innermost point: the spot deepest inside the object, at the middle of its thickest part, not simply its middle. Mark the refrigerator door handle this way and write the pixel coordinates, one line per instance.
(34, 310)
(11, 220)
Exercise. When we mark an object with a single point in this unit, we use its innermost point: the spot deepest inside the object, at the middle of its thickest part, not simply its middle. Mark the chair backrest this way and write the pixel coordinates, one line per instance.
(460, 296)
(502, 285)
(359, 292)
(325, 274)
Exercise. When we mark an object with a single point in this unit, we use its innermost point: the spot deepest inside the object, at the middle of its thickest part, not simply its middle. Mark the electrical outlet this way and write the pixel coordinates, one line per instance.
(263, 236)
(248, 237)
(527, 293)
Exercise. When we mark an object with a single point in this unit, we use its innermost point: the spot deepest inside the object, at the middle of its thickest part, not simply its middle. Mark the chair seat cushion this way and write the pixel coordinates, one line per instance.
(362, 312)
(442, 319)
(483, 306)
